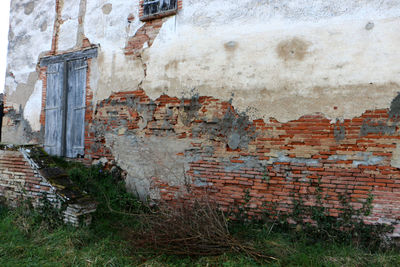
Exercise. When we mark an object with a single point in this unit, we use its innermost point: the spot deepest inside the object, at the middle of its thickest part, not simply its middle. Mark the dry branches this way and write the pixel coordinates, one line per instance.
(196, 229)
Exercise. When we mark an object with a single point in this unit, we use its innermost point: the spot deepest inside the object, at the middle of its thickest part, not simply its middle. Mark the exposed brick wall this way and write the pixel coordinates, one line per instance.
(89, 106)
(108, 118)
(56, 27)
(43, 78)
(19, 181)
(266, 160)
(27, 173)
(6, 110)
(147, 33)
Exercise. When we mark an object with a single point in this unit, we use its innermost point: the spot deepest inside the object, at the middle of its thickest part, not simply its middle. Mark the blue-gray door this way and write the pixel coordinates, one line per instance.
(65, 108)
(75, 125)
(54, 109)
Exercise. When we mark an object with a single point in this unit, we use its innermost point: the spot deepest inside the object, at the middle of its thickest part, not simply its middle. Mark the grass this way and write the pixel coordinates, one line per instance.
(26, 239)
(25, 242)
(68, 246)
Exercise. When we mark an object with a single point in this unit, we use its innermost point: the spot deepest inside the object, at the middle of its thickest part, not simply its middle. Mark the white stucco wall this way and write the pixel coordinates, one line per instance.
(280, 59)
(31, 29)
(346, 68)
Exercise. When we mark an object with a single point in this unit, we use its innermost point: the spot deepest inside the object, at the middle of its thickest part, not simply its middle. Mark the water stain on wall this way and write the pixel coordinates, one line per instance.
(107, 8)
(292, 49)
(43, 26)
(29, 7)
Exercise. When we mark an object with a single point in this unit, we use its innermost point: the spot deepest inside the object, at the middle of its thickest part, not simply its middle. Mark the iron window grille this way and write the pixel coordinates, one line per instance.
(158, 7)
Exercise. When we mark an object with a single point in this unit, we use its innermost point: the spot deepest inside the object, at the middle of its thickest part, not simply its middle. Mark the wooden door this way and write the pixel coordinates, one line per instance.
(54, 109)
(75, 119)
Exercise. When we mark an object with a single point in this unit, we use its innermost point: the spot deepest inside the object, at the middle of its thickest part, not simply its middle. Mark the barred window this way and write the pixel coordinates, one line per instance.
(158, 7)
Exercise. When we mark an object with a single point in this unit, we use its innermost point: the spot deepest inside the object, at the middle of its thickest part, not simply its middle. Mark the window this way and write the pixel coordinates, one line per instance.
(158, 8)
(65, 103)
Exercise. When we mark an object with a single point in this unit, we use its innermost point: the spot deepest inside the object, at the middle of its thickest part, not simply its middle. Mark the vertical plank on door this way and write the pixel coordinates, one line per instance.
(54, 109)
(75, 125)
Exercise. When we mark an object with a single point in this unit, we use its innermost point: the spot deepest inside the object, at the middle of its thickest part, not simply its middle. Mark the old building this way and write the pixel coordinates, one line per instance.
(265, 98)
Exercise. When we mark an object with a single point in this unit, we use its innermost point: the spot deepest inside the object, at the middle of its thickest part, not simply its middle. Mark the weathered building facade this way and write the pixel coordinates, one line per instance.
(233, 98)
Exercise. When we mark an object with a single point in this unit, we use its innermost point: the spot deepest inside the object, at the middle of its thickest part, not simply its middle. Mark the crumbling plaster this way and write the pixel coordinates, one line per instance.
(30, 36)
(280, 59)
(283, 68)
(143, 158)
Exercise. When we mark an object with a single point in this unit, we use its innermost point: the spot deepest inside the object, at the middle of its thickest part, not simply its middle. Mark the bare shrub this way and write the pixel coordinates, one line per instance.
(195, 229)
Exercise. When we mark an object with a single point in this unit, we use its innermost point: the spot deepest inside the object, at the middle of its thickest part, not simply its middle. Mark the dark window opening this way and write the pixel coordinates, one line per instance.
(158, 7)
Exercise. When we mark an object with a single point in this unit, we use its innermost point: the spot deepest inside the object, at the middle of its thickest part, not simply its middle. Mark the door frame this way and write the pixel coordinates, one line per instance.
(65, 58)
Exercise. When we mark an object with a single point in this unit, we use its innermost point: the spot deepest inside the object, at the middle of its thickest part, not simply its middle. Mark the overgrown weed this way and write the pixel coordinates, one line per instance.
(315, 223)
